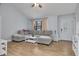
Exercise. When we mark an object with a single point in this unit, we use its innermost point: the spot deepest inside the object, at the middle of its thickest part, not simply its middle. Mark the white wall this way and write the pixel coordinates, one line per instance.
(77, 19)
(12, 20)
(52, 25)
(29, 24)
(0, 27)
(77, 27)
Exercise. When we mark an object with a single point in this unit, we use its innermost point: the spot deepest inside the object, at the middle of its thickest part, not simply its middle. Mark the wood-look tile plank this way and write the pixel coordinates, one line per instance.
(60, 48)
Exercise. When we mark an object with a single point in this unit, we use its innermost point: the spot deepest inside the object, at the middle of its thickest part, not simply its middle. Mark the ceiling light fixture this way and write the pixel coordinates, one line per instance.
(36, 5)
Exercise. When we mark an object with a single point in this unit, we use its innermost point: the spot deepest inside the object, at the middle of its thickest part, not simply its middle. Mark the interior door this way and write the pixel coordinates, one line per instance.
(66, 28)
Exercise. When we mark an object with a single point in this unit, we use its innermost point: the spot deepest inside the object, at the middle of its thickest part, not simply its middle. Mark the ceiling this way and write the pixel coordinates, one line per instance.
(48, 9)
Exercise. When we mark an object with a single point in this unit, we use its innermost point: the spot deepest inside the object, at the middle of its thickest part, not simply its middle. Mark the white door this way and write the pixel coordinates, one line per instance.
(66, 28)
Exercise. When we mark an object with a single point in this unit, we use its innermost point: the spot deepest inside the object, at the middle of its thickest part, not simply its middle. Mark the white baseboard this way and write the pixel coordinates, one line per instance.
(56, 39)
(9, 40)
(61, 39)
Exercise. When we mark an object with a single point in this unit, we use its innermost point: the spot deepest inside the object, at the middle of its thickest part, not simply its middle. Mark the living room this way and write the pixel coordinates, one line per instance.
(39, 28)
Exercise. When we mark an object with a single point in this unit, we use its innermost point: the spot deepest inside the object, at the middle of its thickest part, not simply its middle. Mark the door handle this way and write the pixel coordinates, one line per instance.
(61, 29)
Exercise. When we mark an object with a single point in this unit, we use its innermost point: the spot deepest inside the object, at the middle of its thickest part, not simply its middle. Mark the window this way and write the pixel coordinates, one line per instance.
(38, 25)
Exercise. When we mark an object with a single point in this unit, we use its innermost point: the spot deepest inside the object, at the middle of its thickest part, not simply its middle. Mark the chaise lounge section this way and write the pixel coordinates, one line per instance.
(44, 37)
